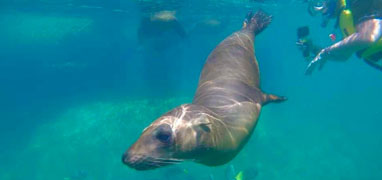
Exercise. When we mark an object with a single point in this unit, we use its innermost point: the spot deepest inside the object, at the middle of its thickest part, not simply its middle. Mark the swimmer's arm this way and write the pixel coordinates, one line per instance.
(367, 33)
(342, 50)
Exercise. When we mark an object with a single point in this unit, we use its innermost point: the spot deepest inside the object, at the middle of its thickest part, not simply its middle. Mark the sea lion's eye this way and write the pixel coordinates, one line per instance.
(163, 133)
(163, 136)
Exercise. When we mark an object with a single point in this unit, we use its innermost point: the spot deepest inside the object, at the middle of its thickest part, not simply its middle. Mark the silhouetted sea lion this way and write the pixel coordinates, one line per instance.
(224, 112)
(158, 24)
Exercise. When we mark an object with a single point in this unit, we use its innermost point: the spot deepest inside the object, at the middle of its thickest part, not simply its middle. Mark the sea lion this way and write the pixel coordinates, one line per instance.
(224, 112)
(158, 25)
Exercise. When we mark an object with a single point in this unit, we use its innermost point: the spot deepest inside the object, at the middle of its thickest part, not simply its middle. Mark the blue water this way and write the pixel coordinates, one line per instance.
(78, 87)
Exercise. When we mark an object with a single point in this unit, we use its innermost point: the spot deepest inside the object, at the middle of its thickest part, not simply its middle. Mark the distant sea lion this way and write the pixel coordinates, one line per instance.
(224, 112)
(158, 24)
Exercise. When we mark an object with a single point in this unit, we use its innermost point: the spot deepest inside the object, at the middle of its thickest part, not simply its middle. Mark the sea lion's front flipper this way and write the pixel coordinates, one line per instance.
(270, 98)
(257, 22)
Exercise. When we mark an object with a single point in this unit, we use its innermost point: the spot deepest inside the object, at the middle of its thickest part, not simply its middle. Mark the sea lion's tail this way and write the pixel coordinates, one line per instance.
(257, 22)
(269, 98)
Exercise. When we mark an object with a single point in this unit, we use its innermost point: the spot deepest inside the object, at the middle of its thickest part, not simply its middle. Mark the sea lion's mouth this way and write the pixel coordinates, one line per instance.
(142, 162)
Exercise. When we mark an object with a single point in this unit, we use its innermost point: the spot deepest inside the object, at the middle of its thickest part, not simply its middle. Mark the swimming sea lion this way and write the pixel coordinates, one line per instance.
(158, 25)
(224, 112)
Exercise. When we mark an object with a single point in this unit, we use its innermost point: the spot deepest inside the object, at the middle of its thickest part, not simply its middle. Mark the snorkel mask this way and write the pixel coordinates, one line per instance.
(317, 6)
(325, 7)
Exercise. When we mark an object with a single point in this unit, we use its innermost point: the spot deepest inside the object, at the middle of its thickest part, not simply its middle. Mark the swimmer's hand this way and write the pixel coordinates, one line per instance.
(320, 59)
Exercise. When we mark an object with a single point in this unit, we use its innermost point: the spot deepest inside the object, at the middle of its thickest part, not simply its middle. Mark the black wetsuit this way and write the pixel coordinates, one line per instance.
(365, 9)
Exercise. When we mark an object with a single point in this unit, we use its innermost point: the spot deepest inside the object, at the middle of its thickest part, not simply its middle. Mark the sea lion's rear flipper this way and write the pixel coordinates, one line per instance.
(257, 22)
(270, 98)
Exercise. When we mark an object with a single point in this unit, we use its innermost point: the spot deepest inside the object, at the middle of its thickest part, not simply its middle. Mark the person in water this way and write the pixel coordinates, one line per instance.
(305, 44)
(360, 22)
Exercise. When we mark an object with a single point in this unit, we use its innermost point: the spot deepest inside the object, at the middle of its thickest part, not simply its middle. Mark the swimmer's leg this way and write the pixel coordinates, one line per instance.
(374, 64)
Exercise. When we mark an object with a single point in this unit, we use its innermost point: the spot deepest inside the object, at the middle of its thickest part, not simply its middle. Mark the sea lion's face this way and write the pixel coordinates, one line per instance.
(170, 139)
(153, 149)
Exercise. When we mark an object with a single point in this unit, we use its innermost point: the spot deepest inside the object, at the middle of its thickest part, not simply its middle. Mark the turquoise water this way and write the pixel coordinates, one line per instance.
(78, 87)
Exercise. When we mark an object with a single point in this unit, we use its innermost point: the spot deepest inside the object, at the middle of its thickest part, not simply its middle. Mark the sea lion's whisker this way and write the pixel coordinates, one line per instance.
(153, 162)
(167, 160)
(159, 163)
(174, 160)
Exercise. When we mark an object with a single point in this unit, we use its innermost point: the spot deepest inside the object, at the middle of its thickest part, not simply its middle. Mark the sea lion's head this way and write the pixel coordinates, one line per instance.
(164, 16)
(183, 133)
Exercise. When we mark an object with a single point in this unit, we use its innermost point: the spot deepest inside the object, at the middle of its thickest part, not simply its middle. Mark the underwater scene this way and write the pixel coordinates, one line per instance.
(82, 80)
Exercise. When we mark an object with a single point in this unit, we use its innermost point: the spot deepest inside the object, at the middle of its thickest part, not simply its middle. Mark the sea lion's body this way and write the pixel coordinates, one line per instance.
(229, 88)
(224, 112)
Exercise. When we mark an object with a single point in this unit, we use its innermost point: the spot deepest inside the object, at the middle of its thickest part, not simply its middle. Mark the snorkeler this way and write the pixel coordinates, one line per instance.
(305, 44)
(360, 22)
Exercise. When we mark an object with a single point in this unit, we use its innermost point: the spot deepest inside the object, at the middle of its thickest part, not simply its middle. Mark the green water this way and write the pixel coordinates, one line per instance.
(77, 89)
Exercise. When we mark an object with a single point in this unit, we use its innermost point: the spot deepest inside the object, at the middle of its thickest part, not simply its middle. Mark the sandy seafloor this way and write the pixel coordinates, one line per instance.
(77, 89)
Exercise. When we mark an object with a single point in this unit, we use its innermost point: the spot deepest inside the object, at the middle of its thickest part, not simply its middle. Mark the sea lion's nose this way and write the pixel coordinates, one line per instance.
(125, 158)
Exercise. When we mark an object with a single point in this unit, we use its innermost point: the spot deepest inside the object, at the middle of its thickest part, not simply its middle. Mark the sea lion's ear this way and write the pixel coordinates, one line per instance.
(205, 126)
(203, 123)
